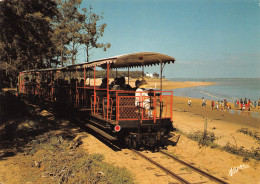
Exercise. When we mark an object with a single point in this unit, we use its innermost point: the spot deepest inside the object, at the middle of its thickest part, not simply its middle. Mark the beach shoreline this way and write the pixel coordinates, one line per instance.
(169, 85)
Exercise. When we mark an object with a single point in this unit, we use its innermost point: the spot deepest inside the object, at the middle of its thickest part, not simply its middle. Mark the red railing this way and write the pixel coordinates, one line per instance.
(131, 107)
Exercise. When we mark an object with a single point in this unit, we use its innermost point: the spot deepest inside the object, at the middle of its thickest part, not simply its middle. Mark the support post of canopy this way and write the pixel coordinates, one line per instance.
(162, 66)
(143, 72)
(128, 75)
(108, 66)
(70, 83)
(76, 95)
(84, 90)
(19, 79)
(51, 73)
(116, 72)
(95, 89)
(84, 77)
(57, 75)
(89, 77)
(161, 76)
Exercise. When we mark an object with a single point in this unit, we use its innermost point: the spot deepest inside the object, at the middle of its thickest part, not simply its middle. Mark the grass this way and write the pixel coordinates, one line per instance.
(241, 151)
(204, 138)
(62, 163)
(254, 134)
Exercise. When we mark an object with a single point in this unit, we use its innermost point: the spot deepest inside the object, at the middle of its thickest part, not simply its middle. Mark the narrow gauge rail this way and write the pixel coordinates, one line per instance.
(174, 175)
(73, 89)
(211, 177)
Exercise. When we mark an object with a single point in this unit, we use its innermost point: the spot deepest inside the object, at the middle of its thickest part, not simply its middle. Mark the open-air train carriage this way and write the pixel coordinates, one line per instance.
(114, 110)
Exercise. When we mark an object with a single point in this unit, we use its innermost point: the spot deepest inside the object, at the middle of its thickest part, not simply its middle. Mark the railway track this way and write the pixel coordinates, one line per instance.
(176, 176)
(209, 176)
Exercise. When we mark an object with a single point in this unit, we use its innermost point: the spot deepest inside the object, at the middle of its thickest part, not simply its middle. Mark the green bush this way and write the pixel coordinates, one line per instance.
(254, 134)
(204, 138)
(241, 151)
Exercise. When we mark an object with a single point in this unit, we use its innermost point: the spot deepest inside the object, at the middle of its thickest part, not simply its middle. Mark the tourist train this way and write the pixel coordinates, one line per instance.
(116, 110)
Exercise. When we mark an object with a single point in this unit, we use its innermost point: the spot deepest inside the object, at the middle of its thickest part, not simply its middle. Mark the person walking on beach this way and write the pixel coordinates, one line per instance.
(225, 104)
(245, 101)
(212, 104)
(249, 104)
(189, 102)
(241, 104)
(243, 107)
(228, 106)
(203, 102)
(237, 104)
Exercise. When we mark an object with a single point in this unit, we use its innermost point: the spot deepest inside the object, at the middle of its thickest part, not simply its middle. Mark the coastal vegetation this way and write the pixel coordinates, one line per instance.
(254, 134)
(208, 139)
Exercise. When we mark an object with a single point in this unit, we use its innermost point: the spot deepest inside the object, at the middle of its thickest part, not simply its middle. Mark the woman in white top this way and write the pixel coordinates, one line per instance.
(141, 96)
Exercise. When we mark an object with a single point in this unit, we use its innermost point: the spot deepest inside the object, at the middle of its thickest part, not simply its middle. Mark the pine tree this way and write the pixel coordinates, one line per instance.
(93, 32)
(25, 34)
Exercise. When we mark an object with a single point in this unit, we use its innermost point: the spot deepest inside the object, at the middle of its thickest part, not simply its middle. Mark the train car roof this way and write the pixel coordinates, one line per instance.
(121, 61)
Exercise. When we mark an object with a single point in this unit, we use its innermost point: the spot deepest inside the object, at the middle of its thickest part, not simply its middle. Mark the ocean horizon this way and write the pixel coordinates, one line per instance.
(230, 89)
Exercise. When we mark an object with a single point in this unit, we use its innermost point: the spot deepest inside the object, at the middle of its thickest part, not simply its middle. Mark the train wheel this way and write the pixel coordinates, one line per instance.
(134, 144)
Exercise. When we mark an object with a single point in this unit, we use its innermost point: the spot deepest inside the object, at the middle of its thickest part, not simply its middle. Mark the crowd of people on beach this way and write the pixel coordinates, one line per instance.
(220, 105)
(244, 105)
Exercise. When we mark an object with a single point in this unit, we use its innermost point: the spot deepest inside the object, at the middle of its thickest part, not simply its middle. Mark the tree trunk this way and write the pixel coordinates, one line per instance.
(61, 53)
(73, 52)
(11, 82)
(87, 49)
(57, 61)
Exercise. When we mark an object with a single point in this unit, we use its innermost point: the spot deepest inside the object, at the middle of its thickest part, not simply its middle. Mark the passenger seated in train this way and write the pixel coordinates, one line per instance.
(115, 84)
(104, 83)
(136, 84)
(122, 84)
(81, 84)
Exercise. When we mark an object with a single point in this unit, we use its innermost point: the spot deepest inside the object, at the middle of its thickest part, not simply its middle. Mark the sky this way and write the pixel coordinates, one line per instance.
(208, 38)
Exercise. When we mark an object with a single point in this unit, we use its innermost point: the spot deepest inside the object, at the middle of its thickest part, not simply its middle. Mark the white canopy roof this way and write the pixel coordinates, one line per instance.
(121, 61)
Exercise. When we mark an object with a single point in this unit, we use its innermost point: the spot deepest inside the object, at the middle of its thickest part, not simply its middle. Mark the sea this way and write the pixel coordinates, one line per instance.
(231, 89)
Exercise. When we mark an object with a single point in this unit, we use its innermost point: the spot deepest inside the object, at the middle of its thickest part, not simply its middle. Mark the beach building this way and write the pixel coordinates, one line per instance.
(149, 75)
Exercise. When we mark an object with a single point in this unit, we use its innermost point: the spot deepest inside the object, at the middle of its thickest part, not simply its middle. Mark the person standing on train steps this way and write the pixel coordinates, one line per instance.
(141, 97)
